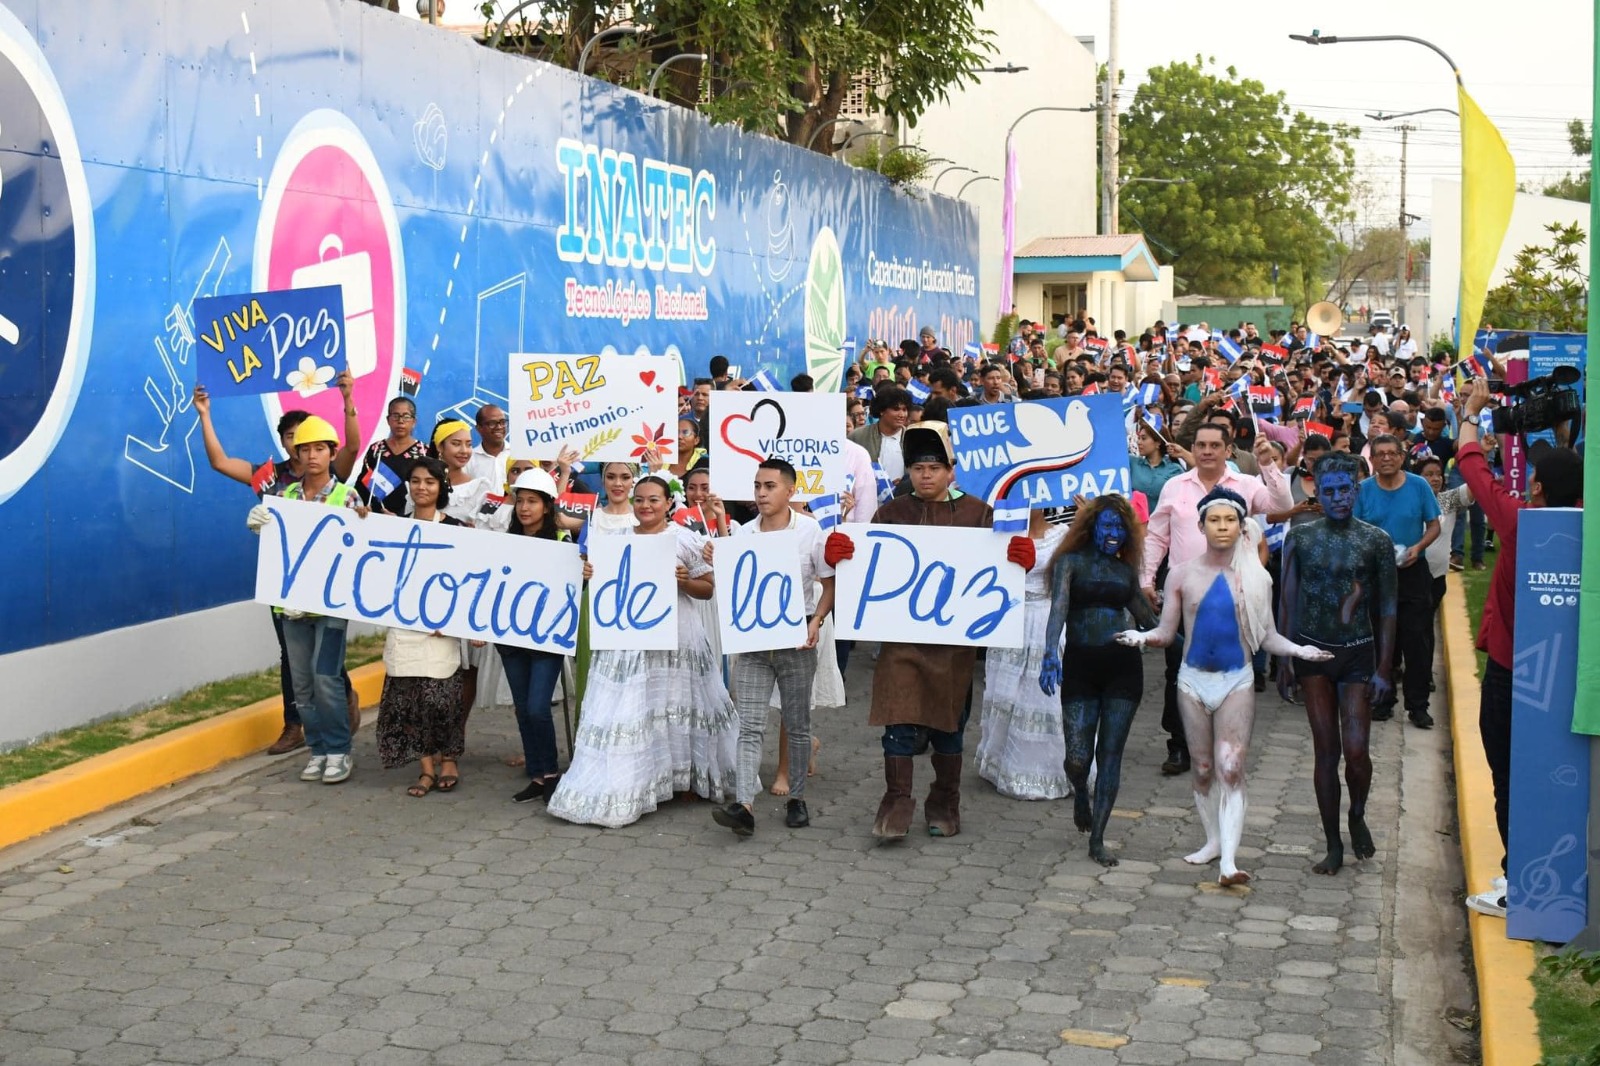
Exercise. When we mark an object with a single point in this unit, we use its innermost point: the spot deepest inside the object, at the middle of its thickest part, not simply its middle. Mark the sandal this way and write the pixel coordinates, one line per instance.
(418, 790)
(448, 782)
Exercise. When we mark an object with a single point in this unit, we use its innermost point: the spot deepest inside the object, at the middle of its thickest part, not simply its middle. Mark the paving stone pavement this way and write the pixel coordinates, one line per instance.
(270, 921)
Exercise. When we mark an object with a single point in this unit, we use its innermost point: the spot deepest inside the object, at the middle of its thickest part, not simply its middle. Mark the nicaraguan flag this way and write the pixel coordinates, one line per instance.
(825, 509)
(1148, 395)
(1228, 348)
(384, 480)
(763, 382)
(1447, 387)
(1011, 516)
(849, 347)
(1313, 341)
(1276, 534)
(972, 350)
(1240, 387)
(885, 486)
(919, 392)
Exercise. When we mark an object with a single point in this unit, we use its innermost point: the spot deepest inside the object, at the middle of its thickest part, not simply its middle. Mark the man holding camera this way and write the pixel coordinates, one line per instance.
(1556, 481)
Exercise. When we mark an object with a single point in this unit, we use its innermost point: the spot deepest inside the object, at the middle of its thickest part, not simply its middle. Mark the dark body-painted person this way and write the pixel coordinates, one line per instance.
(1223, 601)
(922, 693)
(1339, 590)
(1094, 587)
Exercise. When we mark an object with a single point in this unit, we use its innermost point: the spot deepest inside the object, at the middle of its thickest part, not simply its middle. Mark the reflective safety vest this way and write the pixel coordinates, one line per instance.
(336, 498)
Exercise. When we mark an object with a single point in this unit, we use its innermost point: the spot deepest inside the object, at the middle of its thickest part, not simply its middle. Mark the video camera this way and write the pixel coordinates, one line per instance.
(1543, 403)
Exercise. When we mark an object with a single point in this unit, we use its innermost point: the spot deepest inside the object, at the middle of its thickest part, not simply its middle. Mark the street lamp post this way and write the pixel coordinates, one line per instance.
(854, 137)
(1381, 117)
(812, 142)
(1316, 37)
(970, 182)
(947, 170)
(655, 75)
(583, 56)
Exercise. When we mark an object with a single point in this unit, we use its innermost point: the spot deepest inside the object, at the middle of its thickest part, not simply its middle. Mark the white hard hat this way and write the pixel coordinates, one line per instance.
(535, 480)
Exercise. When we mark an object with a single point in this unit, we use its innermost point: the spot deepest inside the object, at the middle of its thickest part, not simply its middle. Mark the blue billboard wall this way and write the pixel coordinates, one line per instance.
(468, 203)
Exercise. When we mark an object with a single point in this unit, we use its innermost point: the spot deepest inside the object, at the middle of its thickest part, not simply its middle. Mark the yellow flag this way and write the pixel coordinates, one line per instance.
(1488, 190)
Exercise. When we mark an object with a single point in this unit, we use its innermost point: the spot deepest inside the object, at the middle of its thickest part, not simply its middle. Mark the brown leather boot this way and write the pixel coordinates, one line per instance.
(353, 710)
(943, 809)
(898, 808)
(291, 738)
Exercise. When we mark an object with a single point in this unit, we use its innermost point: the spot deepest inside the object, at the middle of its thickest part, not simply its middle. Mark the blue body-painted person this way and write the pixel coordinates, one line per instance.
(1339, 593)
(1094, 588)
(1223, 600)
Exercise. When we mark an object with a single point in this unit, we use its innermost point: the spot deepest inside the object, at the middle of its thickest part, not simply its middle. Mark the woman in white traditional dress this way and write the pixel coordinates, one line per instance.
(654, 722)
(1021, 747)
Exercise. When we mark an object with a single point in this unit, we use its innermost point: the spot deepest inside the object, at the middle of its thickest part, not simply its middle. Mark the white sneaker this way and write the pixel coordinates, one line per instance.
(1498, 885)
(1492, 903)
(337, 769)
(313, 770)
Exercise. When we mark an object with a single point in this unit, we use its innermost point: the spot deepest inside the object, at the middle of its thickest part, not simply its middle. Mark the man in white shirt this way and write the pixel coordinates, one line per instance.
(792, 669)
(489, 456)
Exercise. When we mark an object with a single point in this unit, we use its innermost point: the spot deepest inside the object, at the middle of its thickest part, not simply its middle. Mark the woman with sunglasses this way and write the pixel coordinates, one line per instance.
(399, 451)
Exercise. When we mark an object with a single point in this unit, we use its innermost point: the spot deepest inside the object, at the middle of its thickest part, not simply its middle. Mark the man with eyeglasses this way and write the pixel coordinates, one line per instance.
(489, 455)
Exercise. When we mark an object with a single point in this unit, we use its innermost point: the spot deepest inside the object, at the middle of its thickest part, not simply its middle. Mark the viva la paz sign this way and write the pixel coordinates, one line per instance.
(267, 342)
(1047, 450)
(606, 407)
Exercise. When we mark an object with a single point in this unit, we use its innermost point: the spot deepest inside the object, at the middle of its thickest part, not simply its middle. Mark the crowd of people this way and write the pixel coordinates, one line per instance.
(1295, 504)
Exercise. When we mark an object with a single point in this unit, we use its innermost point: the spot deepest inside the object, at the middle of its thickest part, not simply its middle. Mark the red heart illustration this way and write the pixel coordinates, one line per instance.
(749, 419)
(661, 388)
(648, 377)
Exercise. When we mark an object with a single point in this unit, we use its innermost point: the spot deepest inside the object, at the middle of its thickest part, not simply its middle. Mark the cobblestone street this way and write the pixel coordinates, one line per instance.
(268, 921)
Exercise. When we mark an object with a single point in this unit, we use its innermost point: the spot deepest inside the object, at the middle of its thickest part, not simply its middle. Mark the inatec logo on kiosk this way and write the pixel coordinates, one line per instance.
(46, 259)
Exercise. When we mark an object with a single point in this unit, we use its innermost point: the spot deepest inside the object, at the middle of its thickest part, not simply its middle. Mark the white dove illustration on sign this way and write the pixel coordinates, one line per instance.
(1053, 444)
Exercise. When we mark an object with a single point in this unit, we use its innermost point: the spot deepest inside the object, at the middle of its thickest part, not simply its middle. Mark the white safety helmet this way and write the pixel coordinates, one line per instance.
(535, 480)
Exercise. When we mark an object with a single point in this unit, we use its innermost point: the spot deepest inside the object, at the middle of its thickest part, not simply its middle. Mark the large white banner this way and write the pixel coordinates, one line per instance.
(608, 407)
(929, 585)
(633, 594)
(761, 604)
(429, 577)
(805, 428)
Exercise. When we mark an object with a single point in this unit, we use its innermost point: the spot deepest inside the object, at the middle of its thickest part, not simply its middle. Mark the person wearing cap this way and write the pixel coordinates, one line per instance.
(1224, 600)
(929, 350)
(316, 642)
(1404, 346)
(922, 693)
(531, 675)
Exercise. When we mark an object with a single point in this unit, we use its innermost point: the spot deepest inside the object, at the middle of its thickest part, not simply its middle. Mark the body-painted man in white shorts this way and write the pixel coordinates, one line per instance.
(1223, 600)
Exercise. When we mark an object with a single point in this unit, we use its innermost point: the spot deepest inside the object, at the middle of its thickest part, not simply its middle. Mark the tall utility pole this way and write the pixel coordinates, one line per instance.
(1405, 244)
(1109, 221)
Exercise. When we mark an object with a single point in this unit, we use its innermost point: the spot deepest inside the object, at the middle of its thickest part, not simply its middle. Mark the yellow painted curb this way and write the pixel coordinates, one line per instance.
(44, 803)
(1508, 1028)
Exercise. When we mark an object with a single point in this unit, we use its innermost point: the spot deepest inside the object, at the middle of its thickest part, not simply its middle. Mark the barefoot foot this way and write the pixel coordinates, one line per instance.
(1082, 816)
(1098, 852)
(1207, 854)
(1331, 862)
(780, 783)
(816, 746)
(1238, 877)
(1361, 838)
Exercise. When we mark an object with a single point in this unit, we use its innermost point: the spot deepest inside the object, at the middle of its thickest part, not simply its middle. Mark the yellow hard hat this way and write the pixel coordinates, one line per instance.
(314, 429)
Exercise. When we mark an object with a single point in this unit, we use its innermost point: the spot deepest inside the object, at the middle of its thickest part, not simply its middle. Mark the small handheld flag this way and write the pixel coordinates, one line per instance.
(1447, 387)
(972, 350)
(265, 478)
(992, 349)
(1148, 395)
(1264, 401)
(919, 392)
(689, 517)
(1313, 342)
(1213, 378)
(1011, 516)
(579, 505)
(885, 485)
(849, 347)
(1228, 348)
(864, 393)
(825, 509)
(1277, 351)
(1091, 389)
(1304, 406)
(1319, 427)
(1241, 387)
(383, 481)
(763, 382)
(410, 381)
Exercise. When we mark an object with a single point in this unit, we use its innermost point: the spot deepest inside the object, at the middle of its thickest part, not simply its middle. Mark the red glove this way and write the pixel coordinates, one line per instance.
(1021, 552)
(838, 548)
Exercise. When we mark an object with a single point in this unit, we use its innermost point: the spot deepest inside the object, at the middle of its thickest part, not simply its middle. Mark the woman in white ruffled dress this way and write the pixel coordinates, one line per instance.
(1021, 748)
(654, 722)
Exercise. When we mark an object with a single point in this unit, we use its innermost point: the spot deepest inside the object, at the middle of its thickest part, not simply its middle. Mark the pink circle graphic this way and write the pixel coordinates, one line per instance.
(326, 218)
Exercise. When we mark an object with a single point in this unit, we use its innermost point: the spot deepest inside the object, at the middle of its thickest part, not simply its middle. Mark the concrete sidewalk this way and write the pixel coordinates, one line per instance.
(263, 920)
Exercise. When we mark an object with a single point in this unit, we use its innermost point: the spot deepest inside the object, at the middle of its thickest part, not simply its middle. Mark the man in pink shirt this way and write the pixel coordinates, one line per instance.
(1175, 536)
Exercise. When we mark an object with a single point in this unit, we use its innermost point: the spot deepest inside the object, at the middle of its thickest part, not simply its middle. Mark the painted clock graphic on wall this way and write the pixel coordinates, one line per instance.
(46, 259)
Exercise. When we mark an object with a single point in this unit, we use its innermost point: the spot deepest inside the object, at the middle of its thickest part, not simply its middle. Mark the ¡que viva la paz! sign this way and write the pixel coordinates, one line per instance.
(607, 407)
(804, 428)
(1045, 450)
(263, 342)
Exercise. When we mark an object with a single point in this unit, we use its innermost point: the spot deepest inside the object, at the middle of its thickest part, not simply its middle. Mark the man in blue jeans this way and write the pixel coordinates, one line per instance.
(315, 643)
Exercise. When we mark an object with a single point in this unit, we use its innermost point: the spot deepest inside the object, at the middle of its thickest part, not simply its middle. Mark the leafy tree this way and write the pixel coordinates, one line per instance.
(1368, 256)
(779, 67)
(1263, 183)
(1547, 287)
